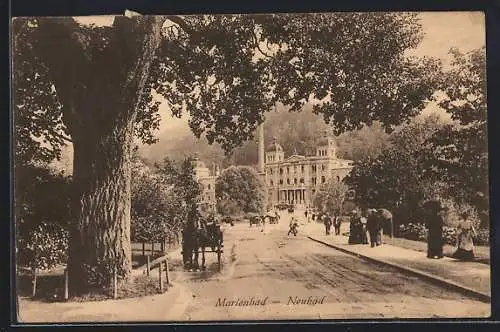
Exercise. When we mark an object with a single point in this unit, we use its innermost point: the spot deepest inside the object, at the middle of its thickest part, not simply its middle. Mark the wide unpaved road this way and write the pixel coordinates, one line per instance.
(279, 269)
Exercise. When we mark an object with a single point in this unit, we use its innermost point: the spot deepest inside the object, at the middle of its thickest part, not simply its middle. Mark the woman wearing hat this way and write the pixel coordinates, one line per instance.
(435, 229)
(465, 244)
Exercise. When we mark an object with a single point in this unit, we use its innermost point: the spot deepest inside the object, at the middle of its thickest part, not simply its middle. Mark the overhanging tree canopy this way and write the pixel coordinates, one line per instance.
(95, 85)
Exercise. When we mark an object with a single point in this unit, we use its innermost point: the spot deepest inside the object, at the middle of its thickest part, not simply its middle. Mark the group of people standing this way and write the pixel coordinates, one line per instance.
(331, 220)
(371, 224)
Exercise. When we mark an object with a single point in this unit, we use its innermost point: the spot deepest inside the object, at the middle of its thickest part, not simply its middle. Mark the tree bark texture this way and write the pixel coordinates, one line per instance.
(100, 86)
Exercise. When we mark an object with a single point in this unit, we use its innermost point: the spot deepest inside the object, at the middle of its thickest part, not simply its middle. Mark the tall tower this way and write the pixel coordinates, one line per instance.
(261, 149)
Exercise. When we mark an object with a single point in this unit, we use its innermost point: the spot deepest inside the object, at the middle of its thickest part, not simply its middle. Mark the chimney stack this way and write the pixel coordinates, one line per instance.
(261, 148)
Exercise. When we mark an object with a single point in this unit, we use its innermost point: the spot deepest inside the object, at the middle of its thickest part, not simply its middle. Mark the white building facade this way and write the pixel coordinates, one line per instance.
(295, 179)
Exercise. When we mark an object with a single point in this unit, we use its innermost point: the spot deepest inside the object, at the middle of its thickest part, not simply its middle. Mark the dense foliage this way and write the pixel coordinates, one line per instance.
(394, 178)
(44, 247)
(181, 178)
(42, 207)
(239, 187)
(428, 157)
(156, 211)
(458, 153)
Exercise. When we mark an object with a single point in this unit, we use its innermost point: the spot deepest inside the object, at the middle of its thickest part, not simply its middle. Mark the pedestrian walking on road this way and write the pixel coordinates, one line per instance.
(465, 243)
(328, 223)
(337, 223)
(435, 229)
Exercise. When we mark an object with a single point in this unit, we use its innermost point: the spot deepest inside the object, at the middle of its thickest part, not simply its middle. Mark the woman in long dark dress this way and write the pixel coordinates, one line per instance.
(372, 226)
(355, 228)
(435, 230)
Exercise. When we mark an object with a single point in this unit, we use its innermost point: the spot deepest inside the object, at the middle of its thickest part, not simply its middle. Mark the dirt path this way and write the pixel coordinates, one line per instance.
(287, 269)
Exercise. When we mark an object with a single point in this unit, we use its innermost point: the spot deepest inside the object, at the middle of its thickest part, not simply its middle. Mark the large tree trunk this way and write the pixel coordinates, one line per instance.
(100, 239)
(100, 88)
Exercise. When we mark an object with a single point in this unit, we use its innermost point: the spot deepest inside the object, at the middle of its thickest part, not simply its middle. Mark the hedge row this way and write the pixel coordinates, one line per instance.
(418, 232)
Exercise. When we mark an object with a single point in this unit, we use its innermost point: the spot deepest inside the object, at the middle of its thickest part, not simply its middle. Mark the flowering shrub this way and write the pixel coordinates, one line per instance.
(483, 237)
(44, 247)
(418, 232)
(413, 231)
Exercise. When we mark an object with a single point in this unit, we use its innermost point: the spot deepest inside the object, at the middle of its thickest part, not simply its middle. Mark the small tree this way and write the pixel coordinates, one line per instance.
(330, 197)
(154, 209)
(241, 187)
(181, 178)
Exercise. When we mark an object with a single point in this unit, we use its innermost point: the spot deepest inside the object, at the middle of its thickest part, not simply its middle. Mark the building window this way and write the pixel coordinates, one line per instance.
(314, 168)
(271, 182)
(323, 179)
(209, 186)
(271, 171)
(295, 181)
(288, 181)
(287, 169)
(322, 167)
(301, 180)
(302, 168)
(313, 191)
(281, 170)
(281, 181)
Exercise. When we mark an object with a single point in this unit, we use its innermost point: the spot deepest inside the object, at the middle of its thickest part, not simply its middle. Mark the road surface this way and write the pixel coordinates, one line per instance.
(275, 276)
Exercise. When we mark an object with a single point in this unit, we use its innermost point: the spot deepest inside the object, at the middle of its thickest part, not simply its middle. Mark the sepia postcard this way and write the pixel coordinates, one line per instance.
(263, 167)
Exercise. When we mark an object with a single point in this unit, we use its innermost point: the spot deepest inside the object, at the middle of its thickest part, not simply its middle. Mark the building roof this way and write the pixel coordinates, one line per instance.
(274, 146)
(325, 139)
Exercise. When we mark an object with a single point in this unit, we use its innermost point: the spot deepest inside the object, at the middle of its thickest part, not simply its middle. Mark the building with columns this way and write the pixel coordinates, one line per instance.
(292, 179)
(296, 178)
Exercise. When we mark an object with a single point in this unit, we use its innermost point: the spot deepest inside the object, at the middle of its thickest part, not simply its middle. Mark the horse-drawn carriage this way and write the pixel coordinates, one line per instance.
(272, 219)
(201, 235)
(257, 219)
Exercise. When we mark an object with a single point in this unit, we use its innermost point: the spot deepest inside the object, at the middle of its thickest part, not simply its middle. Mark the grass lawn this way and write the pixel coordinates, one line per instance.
(50, 288)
